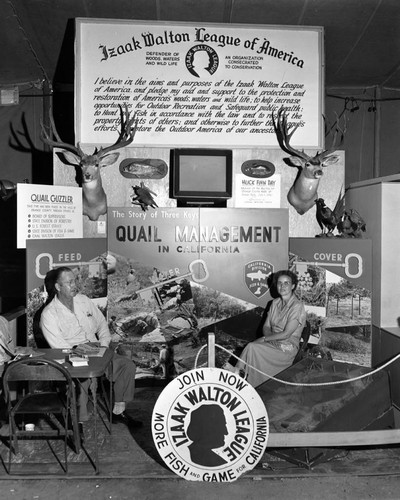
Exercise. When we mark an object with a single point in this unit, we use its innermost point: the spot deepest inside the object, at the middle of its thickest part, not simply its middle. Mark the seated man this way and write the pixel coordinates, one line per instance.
(7, 347)
(7, 352)
(69, 319)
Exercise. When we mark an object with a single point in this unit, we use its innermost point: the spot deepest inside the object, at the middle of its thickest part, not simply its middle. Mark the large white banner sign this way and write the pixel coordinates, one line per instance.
(198, 84)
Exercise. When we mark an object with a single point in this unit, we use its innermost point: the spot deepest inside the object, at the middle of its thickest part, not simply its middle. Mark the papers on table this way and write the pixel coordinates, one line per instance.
(78, 360)
(25, 352)
(89, 350)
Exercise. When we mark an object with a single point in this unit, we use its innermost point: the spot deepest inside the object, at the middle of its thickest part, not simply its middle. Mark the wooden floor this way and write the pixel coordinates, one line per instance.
(132, 454)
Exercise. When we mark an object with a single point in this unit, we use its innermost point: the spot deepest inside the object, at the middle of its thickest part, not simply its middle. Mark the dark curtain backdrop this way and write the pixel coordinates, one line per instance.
(22, 158)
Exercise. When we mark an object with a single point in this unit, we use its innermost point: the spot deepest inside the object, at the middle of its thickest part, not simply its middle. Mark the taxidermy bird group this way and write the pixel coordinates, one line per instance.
(348, 223)
(303, 194)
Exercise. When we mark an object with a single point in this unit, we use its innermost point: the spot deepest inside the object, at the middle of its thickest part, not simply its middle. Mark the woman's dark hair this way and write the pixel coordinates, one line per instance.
(286, 272)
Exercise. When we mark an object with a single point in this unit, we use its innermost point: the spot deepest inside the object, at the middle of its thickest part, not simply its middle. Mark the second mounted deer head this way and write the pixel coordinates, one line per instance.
(304, 191)
(93, 194)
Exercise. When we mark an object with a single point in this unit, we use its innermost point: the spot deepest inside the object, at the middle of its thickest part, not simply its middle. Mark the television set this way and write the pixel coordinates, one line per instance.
(201, 177)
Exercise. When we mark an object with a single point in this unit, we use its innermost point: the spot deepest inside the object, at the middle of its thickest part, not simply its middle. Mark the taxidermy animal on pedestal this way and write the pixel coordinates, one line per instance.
(304, 191)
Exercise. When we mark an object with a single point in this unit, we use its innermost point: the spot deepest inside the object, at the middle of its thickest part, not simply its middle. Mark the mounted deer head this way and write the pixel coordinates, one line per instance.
(303, 193)
(94, 197)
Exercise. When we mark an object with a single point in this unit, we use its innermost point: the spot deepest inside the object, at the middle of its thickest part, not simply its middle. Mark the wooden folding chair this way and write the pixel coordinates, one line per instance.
(46, 392)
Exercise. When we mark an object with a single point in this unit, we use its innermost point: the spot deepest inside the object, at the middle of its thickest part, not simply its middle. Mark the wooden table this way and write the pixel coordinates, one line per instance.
(97, 367)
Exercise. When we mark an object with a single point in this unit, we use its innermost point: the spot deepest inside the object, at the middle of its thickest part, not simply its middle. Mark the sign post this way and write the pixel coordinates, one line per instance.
(211, 350)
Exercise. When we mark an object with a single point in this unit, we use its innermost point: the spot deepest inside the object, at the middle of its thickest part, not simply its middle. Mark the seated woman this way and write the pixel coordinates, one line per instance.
(277, 348)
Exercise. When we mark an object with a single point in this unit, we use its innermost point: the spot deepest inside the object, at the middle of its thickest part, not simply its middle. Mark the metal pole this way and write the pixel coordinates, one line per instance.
(47, 105)
(377, 133)
(211, 350)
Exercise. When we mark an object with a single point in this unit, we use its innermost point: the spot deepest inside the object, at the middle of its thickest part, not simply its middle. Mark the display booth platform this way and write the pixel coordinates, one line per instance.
(131, 453)
(364, 403)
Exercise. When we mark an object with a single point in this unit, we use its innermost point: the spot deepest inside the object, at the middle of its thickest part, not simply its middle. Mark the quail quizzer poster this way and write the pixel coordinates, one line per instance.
(48, 212)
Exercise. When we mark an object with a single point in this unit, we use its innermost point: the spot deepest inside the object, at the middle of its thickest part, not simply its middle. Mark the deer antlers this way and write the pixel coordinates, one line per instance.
(126, 136)
(94, 197)
(284, 132)
(334, 146)
(283, 135)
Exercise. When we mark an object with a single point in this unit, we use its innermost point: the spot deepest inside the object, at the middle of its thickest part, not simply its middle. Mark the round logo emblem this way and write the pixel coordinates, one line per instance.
(210, 425)
(201, 61)
(258, 168)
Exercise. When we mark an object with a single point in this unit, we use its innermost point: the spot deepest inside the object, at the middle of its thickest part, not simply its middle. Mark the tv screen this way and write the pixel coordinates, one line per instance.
(201, 175)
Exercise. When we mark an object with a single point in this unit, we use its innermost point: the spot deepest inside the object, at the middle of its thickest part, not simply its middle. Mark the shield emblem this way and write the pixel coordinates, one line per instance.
(256, 274)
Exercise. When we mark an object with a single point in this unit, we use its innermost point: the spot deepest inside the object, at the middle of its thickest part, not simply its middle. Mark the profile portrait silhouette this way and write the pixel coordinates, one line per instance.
(201, 63)
(207, 429)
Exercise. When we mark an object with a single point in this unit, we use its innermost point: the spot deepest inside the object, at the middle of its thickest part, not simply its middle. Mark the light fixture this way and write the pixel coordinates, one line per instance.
(9, 96)
(354, 106)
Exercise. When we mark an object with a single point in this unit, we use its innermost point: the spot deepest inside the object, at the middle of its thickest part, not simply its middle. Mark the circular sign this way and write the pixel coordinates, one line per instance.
(210, 425)
(258, 168)
(201, 60)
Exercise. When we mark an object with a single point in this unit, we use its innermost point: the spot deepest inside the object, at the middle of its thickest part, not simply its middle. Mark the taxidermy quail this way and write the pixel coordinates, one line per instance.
(352, 224)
